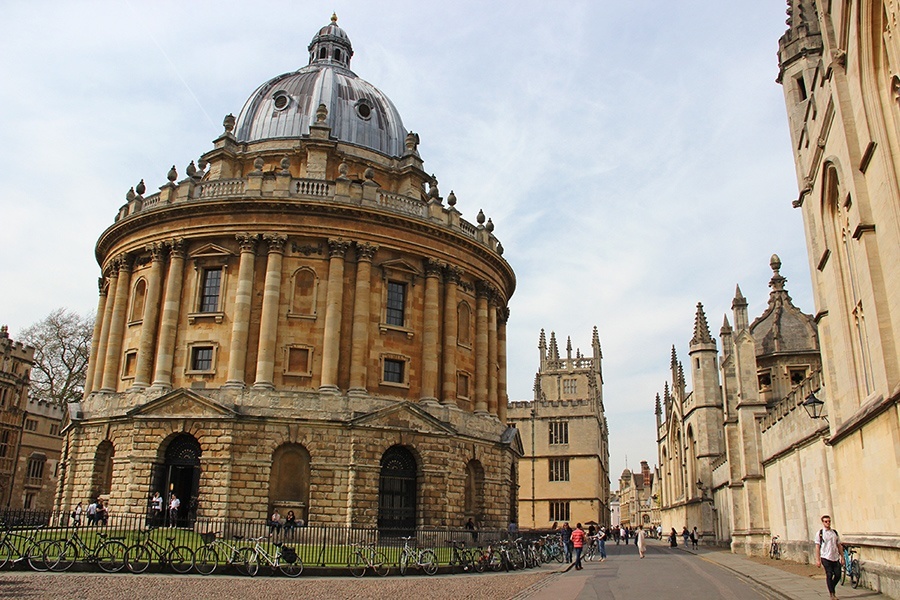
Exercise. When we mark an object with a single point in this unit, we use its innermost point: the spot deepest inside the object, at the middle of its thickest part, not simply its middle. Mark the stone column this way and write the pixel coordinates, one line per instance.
(165, 351)
(451, 285)
(492, 397)
(430, 335)
(359, 350)
(268, 324)
(95, 338)
(482, 292)
(502, 397)
(113, 278)
(331, 345)
(117, 326)
(150, 318)
(237, 359)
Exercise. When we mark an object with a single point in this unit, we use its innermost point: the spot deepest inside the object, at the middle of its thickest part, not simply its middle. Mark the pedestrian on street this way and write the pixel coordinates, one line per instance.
(565, 534)
(695, 537)
(174, 505)
(685, 536)
(829, 554)
(577, 538)
(601, 542)
(641, 542)
(673, 539)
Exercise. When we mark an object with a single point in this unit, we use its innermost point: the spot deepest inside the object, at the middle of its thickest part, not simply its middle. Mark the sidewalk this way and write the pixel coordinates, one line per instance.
(787, 585)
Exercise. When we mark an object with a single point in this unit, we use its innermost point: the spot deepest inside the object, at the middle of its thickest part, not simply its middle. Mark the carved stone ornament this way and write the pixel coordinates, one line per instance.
(307, 249)
(140, 188)
(276, 241)
(228, 122)
(338, 248)
(177, 247)
(172, 175)
(365, 251)
(451, 199)
(434, 268)
(247, 241)
(321, 114)
(452, 274)
(157, 251)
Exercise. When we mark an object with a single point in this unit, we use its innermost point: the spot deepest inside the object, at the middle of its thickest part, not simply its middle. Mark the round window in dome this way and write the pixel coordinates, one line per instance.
(281, 100)
(364, 109)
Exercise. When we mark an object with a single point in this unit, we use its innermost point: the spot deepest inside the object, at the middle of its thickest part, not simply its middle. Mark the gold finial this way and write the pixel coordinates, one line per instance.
(334, 18)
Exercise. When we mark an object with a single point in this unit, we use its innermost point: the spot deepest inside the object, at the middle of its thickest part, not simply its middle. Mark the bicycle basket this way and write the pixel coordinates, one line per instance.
(289, 554)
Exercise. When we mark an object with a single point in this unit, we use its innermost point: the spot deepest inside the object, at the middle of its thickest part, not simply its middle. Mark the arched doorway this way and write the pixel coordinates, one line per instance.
(179, 474)
(289, 482)
(397, 492)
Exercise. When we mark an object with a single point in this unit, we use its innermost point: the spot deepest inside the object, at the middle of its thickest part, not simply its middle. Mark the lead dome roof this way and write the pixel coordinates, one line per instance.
(358, 112)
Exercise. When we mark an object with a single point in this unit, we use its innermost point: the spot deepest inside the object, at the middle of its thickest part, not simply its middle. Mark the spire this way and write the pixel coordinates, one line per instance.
(597, 351)
(658, 406)
(554, 350)
(569, 347)
(725, 333)
(701, 328)
(542, 348)
(739, 307)
(674, 361)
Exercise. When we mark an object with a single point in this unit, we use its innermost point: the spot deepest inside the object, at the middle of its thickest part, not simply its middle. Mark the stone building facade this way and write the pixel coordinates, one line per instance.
(839, 65)
(29, 433)
(739, 457)
(564, 473)
(636, 504)
(302, 322)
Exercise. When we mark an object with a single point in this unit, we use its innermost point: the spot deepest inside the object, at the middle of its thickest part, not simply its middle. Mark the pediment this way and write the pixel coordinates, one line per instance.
(512, 438)
(407, 416)
(183, 403)
(211, 250)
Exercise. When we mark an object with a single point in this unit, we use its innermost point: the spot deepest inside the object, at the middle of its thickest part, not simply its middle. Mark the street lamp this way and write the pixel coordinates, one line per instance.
(814, 406)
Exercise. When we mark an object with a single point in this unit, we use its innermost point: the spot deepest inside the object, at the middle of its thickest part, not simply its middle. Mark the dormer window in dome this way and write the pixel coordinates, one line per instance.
(364, 109)
(281, 100)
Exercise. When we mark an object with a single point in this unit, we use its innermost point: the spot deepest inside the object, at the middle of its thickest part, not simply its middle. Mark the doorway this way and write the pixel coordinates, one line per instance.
(179, 476)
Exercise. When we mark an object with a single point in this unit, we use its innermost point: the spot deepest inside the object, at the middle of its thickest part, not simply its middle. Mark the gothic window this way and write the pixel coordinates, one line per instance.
(464, 324)
(559, 511)
(559, 469)
(559, 432)
(138, 298)
(35, 467)
(303, 293)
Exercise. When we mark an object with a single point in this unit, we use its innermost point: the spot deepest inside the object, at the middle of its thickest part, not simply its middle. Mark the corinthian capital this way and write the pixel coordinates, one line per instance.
(452, 274)
(276, 242)
(433, 268)
(365, 251)
(124, 263)
(247, 241)
(338, 248)
(156, 250)
(176, 247)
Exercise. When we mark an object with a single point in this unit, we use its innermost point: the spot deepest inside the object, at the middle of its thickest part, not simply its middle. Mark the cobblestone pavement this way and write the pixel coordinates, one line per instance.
(90, 586)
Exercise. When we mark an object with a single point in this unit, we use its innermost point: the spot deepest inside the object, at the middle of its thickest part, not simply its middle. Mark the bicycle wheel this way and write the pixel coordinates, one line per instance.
(560, 556)
(403, 564)
(181, 559)
(480, 562)
(205, 560)
(429, 562)
(496, 561)
(60, 555)
(290, 569)
(138, 558)
(111, 556)
(357, 565)
(855, 573)
(379, 563)
(468, 560)
(6, 553)
(248, 561)
(35, 555)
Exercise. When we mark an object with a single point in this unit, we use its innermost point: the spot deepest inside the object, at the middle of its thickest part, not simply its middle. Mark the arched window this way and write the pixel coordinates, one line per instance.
(289, 481)
(337, 54)
(101, 481)
(397, 491)
(474, 498)
(138, 297)
(464, 323)
(303, 298)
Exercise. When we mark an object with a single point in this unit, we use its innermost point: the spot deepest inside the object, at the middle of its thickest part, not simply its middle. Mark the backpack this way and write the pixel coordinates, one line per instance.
(822, 531)
(289, 554)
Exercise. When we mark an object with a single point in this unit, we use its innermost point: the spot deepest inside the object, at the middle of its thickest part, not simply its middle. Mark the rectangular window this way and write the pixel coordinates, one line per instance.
(559, 469)
(29, 500)
(201, 358)
(798, 374)
(559, 432)
(130, 362)
(393, 370)
(569, 386)
(559, 511)
(396, 303)
(4, 443)
(209, 297)
(462, 385)
(35, 468)
(31, 424)
(298, 360)
(54, 429)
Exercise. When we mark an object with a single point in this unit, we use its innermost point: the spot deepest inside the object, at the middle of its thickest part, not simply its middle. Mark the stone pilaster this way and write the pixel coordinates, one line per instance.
(482, 293)
(333, 312)
(430, 336)
(359, 351)
(150, 318)
(502, 397)
(268, 325)
(451, 287)
(237, 359)
(492, 356)
(112, 277)
(165, 351)
(117, 326)
(95, 338)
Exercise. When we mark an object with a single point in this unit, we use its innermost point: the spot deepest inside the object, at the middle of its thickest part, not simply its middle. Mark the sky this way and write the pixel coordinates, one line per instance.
(634, 156)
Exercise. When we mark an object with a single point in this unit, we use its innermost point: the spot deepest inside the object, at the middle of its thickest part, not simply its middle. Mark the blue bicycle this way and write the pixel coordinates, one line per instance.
(850, 568)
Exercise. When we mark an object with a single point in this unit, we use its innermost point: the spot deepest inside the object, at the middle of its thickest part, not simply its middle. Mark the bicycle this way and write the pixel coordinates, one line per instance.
(139, 555)
(363, 556)
(424, 559)
(775, 549)
(851, 567)
(32, 549)
(488, 558)
(552, 548)
(283, 559)
(460, 556)
(208, 556)
(108, 554)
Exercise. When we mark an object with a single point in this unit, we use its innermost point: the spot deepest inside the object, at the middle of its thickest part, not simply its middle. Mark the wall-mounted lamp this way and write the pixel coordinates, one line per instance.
(814, 407)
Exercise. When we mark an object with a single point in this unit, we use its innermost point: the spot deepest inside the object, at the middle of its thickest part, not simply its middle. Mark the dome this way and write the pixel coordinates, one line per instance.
(358, 112)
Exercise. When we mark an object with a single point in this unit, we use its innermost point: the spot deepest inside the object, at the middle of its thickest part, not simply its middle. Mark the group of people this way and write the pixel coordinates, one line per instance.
(691, 537)
(96, 513)
(286, 523)
(159, 516)
(575, 540)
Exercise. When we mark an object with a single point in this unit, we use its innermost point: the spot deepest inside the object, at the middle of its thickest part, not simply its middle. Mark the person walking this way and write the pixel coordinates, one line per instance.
(829, 554)
(673, 539)
(601, 543)
(685, 535)
(174, 505)
(565, 535)
(76, 515)
(156, 510)
(695, 537)
(641, 542)
(577, 539)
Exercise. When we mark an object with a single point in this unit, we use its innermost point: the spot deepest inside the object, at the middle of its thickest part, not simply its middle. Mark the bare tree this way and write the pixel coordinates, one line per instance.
(62, 345)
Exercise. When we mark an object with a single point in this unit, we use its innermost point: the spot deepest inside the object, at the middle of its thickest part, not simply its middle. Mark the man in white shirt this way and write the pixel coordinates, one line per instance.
(174, 504)
(829, 554)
